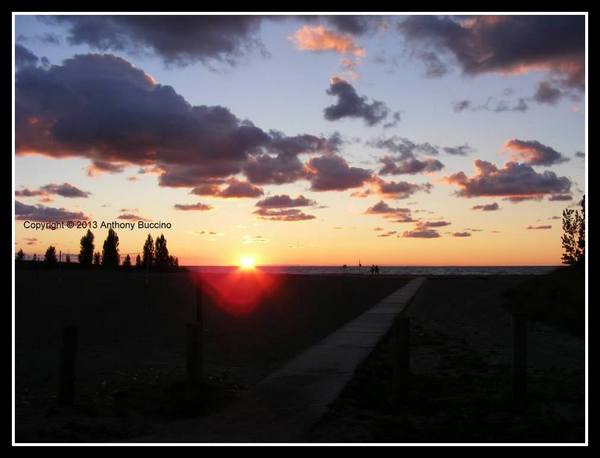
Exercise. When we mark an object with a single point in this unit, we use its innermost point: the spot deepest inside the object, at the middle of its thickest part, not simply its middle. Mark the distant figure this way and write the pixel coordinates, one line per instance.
(344, 268)
(372, 269)
(377, 270)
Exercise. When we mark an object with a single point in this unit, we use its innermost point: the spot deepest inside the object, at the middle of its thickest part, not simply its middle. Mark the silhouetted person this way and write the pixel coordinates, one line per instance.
(377, 270)
(344, 267)
(372, 269)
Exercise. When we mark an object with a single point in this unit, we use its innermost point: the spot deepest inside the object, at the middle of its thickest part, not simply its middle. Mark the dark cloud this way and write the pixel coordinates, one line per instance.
(64, 190)
(505, 44)
(461, 105)
(580, 154)
(193, 207)
(103, 108)
(46, 214)
(534, 153)
(238, 189)
(422, 234)
(179, 40)
(351, 105)
(487, 207)
(547, 93)
(332, 173)
(462, 150)
(24, 57)
(387, 234)
(284, 201)
(539, 227)
(461, 234)
(409, 166)
(286, 214)
(514, 181)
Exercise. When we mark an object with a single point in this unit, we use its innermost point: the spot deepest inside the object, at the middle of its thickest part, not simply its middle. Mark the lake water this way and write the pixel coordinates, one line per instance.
(389, 270)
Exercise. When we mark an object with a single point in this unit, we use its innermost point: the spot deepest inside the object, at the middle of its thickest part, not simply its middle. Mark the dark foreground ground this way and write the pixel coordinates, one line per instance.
(461, 350)
(131, 357)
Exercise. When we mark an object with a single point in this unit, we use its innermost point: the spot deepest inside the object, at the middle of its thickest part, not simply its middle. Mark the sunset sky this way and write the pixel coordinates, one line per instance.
(304, 140)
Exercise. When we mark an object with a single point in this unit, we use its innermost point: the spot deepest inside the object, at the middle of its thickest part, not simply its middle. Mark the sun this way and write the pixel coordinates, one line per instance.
(247, 263)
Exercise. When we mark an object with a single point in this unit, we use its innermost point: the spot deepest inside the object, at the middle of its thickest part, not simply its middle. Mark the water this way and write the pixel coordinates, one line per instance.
(389, 270)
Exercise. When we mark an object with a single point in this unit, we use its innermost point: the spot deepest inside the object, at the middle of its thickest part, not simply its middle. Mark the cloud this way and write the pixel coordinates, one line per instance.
(332, 173)
(288, 214)
(487, 207)
(461, 234)
(193, 207)
(24, 57)
(239, 189)
(580, 154)
(422, 234)
(30, 240)
(397, 215)
(534, 153)
(547, 93)
(284, 201)
(462, 150)
(320, 39)
(492, 104)
(64, 190)
(405, 148)
(42, 213)
(409, 166)
(132, 217)
(426, 224)
(398, 190)
(505, 44)
(514, 181)
(177, 40)
(351, 105)
(560, 197)
(387, 234)
(103, 108)
(539, 227)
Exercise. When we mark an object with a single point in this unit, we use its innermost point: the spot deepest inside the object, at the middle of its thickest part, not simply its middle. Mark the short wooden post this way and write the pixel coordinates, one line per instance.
(400, 355)
(67, 366)
(194, 353)
(519, 324)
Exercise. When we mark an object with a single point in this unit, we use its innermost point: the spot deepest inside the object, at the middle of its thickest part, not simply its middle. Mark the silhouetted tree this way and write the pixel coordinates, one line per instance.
(127, 262)
(110, 250)
(148, 252)
(20, 255)
(161, 253)
(97, 258)
(68, 258)
(138, 261)
(86, 251)
(573, 238)
(50, 257)
(35, 258)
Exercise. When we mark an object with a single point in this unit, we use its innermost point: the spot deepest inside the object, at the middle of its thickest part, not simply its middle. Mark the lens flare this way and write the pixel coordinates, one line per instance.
(247, 263)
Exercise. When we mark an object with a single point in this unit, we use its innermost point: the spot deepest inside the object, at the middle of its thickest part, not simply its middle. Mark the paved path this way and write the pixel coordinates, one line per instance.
(286, 403)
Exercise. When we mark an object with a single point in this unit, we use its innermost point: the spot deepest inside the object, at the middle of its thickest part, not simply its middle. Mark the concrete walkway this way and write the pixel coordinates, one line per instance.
(283, 406)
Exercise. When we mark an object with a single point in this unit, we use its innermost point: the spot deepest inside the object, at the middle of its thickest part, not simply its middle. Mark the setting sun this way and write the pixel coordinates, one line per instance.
(247, 263)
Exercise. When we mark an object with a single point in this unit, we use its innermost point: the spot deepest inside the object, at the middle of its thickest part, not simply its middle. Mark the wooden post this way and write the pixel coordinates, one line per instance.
(66, 370)
(519, 324)
(194, 353)
(400, 355)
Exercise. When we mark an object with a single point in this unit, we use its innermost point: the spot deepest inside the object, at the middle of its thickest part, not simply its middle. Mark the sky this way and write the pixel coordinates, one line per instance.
(302, 140)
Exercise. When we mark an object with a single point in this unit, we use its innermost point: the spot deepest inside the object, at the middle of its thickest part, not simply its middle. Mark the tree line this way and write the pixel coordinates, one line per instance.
(155, 254)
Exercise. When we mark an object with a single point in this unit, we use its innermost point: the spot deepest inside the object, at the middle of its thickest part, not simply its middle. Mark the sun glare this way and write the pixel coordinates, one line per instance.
(247, 263)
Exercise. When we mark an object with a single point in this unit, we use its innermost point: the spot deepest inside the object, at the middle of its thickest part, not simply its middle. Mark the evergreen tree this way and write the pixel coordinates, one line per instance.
(68, 258)
(110, 250)
(97, 258)
(148, 252)
(50, 257)
(127, 262)
(161, 253)
(20, 255)
(138, 262)
(86, 251)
